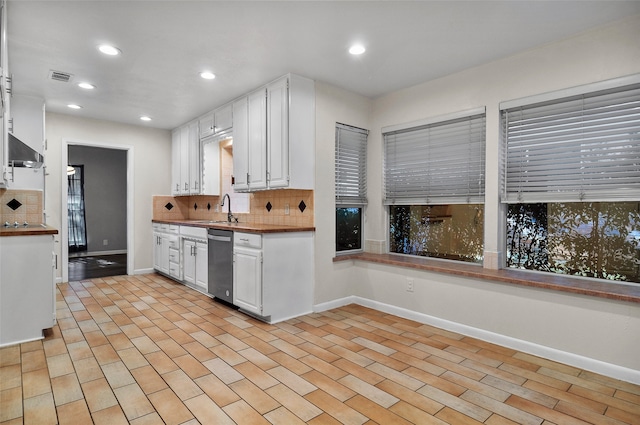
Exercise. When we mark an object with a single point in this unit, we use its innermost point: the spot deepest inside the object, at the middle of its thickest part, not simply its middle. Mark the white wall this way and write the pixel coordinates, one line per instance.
(594, 328)
(151, 169)
(333, 105)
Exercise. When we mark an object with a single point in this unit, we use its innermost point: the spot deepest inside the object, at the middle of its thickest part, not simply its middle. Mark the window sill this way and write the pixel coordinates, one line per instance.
(610, 290)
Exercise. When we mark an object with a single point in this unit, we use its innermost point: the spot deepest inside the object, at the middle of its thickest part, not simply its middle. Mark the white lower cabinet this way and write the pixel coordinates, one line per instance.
(247, 274)
(195, 263)
(166, 249)
(27, 293)
(194, 257)
(273, 274)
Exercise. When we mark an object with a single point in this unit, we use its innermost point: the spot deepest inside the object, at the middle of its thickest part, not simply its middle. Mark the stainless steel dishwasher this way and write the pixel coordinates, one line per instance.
(220, 247)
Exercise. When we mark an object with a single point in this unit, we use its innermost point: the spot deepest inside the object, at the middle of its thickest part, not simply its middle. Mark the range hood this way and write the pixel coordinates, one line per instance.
(21, 155)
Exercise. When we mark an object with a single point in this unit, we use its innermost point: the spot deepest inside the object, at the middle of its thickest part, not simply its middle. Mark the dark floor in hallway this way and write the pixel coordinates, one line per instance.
(94, 266)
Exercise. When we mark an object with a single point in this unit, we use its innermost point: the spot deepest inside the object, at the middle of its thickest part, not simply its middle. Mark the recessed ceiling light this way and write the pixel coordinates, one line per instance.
(109, 50)
(207, 75)
(74, 106)
(357, 49)
(86, 86)
(145, 118)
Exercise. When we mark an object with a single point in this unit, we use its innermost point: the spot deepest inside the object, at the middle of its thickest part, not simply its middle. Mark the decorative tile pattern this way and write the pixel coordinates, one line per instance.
(268, 206)
(21, 206)
(169, 206)
(14, 204)
(174, 355)
(184, 208)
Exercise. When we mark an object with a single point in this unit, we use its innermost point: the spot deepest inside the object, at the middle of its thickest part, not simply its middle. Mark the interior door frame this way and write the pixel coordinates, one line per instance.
(64, 234)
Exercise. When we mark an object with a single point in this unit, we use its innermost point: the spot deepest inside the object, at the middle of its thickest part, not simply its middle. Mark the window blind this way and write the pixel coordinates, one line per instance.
(351, 165)
(441, 162)
(581, 148)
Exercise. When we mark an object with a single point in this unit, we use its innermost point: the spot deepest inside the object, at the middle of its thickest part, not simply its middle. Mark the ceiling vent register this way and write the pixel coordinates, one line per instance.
(65, 77)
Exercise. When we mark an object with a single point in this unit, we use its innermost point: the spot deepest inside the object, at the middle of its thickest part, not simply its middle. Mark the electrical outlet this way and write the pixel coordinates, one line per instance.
(286, 209)
(409, 284)
(105, 242)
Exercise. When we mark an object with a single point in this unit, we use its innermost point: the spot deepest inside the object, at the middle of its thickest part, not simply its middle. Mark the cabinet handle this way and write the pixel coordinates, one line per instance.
(244, 240)
(186, 186)
(177, 187)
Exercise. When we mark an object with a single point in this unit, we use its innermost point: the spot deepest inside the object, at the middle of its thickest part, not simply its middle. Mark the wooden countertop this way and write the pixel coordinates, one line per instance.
(240, 227)
(30, 230)
(621, 291)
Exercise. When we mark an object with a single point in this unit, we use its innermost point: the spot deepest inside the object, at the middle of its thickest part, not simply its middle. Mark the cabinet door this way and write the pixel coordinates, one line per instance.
(211, 167)
(202, 272)
(223, 119)
(184, 160)
(257, 140)
(175, 162)
(247, 279)
(240, 144)
(189, 261)
(278, 133)
(157, 251)
(206, 124)
(161, 255)
(194, 159)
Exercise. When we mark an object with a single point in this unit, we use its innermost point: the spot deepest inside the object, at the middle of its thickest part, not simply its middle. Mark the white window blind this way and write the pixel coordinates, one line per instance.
(351, 165)
(441, 162)
(580, 148)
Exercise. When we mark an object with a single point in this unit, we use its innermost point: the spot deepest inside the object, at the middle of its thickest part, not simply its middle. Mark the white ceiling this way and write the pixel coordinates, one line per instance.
(165, 44)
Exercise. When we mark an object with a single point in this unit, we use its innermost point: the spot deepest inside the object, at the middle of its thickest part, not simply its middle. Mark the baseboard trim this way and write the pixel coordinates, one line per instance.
(571, 359)
(143, 271)
(93, 253)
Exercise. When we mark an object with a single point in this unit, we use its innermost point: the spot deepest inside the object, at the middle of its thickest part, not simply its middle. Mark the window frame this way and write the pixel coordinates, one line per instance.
(449, 130)
(344, 197)
(593, 93)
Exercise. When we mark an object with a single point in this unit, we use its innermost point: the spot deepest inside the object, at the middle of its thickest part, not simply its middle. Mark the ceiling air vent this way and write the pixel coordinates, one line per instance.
(60, 76)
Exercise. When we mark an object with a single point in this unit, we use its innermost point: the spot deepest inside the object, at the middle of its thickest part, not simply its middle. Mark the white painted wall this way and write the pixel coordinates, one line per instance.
(333, 105)
(151, 168)
(583, 327)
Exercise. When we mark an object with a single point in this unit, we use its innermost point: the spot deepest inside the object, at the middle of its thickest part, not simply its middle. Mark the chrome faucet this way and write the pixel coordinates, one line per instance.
(229, 215)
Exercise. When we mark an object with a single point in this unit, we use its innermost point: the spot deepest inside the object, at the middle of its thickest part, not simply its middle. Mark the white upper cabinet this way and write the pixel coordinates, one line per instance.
(217, 121)
(274, 136)
(241, 144)
(195, 175)
(4, 97)
(185, 160)
(278, 133)
(176, 145)
(257, 135)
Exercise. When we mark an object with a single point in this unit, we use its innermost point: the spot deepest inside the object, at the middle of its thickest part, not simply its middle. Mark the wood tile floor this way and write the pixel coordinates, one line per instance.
(146, 350)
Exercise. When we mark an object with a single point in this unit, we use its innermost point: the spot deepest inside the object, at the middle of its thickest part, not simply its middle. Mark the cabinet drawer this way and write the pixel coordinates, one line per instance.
(174, 270)
(161, 227)
(251, 240)
(193, 232)
(174, 242)
(174, 255)
(174, 229)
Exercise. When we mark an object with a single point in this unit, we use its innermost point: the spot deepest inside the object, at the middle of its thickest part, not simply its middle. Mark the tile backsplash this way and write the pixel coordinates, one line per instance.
(21, 206)
(287, 207)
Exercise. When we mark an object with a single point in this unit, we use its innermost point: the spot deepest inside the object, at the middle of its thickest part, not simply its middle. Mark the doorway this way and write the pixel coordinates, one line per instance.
(96, 237)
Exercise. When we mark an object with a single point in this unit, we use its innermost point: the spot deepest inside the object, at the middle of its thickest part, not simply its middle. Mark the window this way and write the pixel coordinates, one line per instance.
(434, 186)
(351, 186)
(75, 209)
(572, 183)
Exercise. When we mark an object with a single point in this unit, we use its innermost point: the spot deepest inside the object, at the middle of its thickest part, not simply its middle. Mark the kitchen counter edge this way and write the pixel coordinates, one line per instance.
(241, 227)
(28, 231)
